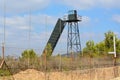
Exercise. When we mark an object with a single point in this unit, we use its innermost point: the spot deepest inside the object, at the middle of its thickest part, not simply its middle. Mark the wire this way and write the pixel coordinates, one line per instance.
(3, 44)
(29, 29)
(4, 20)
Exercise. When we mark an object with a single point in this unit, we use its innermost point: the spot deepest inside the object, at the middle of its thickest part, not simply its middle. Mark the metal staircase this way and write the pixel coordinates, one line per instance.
(56, 34)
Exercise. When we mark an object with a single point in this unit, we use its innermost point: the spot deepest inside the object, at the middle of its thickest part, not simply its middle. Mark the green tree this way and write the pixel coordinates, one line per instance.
(28, 59)
(90, 48)
(100, 48)
(109, 41)
(90, 45)
(29, 54)
(118, 46)
(48, 50)
(103, 47)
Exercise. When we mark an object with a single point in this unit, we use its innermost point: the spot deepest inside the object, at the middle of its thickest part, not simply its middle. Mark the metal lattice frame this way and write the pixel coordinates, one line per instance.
(73, 40)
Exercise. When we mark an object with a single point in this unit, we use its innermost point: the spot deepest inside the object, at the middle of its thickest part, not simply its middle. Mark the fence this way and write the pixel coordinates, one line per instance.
(64, 68)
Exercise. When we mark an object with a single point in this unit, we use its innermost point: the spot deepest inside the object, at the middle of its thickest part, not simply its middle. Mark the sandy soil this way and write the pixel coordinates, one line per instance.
(116, 78)
(29, 74)
(93, 74)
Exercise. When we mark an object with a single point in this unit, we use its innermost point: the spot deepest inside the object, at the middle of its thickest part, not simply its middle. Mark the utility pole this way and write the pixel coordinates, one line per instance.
(3, 44)
(3, 54)
(114, 60)
(114, 52)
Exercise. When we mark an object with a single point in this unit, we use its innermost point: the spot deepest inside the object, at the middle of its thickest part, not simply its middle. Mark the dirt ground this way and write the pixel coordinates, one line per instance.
(116, 78)
(92, 74)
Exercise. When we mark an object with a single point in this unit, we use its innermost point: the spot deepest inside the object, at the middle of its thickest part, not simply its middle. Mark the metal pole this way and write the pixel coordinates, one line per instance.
(45, 54)
(60, 65)
(115, 63)
(4, 19)
(114, 44)
(29, 45)
(29, 28)
(45, 57)
(114, 52)
(3, 44)
(3, 51)
(115, 56)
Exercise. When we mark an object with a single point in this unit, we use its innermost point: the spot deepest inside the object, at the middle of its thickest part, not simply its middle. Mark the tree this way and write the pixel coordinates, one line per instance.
(90, 45)
(29, 54)
(28, 59)
(100, 48)
(90, 48)
(48, 50)
(103, 47)
(109, 41)
(118, 46)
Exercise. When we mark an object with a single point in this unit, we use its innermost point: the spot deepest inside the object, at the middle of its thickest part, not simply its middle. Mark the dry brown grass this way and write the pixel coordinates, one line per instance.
(90, 74)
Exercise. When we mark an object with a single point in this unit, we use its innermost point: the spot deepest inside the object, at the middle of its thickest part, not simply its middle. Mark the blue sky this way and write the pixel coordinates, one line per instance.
(98, 17)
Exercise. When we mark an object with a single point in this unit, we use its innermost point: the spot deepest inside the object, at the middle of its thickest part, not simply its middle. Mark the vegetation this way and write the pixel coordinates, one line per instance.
(48, 50)
(94, 55)
(102, 48)
(4, 72)
(28, 59)
(28, 54)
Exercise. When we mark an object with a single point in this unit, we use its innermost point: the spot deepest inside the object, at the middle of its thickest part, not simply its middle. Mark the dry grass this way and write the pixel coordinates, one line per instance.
(90, 74)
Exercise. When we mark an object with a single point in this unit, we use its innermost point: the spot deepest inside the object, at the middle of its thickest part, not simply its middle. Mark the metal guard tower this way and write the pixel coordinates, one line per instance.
(73, 39)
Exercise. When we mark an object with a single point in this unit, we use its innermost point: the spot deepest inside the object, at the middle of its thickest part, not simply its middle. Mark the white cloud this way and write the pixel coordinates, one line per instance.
(23, 6)
(23, 22)
(80, 4)
(116, 18)
(17, 22)
(85, 21)
(109, 3)
(17, 27)
(44, 19)
(87, 4)
(18, 6)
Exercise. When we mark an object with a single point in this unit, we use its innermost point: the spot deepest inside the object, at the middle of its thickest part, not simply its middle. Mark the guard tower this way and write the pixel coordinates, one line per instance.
(73, 39)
